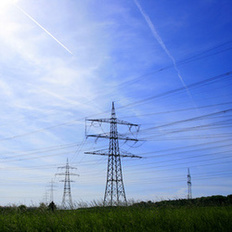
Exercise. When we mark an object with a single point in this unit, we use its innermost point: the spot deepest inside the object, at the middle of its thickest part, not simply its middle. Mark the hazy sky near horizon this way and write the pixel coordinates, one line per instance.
(166, 65)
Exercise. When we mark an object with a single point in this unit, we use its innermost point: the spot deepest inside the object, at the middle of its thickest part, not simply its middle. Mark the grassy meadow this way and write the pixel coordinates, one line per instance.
(142, 217)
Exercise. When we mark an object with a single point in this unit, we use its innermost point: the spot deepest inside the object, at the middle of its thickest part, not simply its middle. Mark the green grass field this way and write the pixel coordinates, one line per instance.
(137, 218)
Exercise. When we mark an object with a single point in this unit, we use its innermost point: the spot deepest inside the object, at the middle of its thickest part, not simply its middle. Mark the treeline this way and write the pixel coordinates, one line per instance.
(217, 200)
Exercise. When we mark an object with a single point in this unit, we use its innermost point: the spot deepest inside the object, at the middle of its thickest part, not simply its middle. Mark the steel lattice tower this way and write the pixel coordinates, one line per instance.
(67, 198)
(189, 185)
(114, 191)
(52, 190)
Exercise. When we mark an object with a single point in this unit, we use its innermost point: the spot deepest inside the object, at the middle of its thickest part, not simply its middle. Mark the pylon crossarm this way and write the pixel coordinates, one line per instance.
(73, 174)
(122, 122)
(132, 156)
(105, 136)
(65, 181)
(97, 153)
(113, 120)
(99, 135)
(69, 167)
(59, 174)
(107, 154)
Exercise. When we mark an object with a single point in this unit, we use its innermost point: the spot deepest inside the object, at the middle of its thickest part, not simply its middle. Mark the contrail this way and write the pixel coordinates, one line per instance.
(160, 41)
(25, 13)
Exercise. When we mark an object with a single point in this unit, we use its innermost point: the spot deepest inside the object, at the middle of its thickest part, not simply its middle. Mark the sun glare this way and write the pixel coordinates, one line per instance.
(6, 3)
(5, 6)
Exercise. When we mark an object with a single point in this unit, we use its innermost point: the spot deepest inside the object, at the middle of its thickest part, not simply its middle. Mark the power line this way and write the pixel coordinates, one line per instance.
(200, 55)
(200, 83)
(179, 90)
(189, 119)
(180, 110)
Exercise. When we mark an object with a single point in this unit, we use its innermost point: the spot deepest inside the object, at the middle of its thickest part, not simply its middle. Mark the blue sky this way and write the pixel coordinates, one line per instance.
(165, 64)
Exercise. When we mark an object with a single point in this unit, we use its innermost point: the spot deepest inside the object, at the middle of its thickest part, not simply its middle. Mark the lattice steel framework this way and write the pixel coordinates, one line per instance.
(189, 185)
(114, 191)
(51, 186)
(67, 198)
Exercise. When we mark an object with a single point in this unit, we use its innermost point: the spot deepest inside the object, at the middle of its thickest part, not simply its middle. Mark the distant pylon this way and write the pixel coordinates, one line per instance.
(51, 188)
(45, 197)
(67, 198)
(114, 191)
(189, 185)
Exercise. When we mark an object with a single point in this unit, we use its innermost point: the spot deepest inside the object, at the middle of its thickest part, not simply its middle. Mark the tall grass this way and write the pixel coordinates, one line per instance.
(119, 219)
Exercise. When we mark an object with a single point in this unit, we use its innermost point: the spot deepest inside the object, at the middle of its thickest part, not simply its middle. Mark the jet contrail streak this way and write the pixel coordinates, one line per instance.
(25, 13)
(160, 41)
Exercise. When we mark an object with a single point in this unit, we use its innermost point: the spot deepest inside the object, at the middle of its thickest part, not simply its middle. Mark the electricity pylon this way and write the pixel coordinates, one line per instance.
(67, 198)
(51, 188)
(114, 191)
(189, 185)
(45, 197)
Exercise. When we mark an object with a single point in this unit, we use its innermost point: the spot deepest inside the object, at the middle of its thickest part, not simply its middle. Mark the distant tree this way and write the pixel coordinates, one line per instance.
(229, 197)
(22, 208)
(52, 206)
(42, 206)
